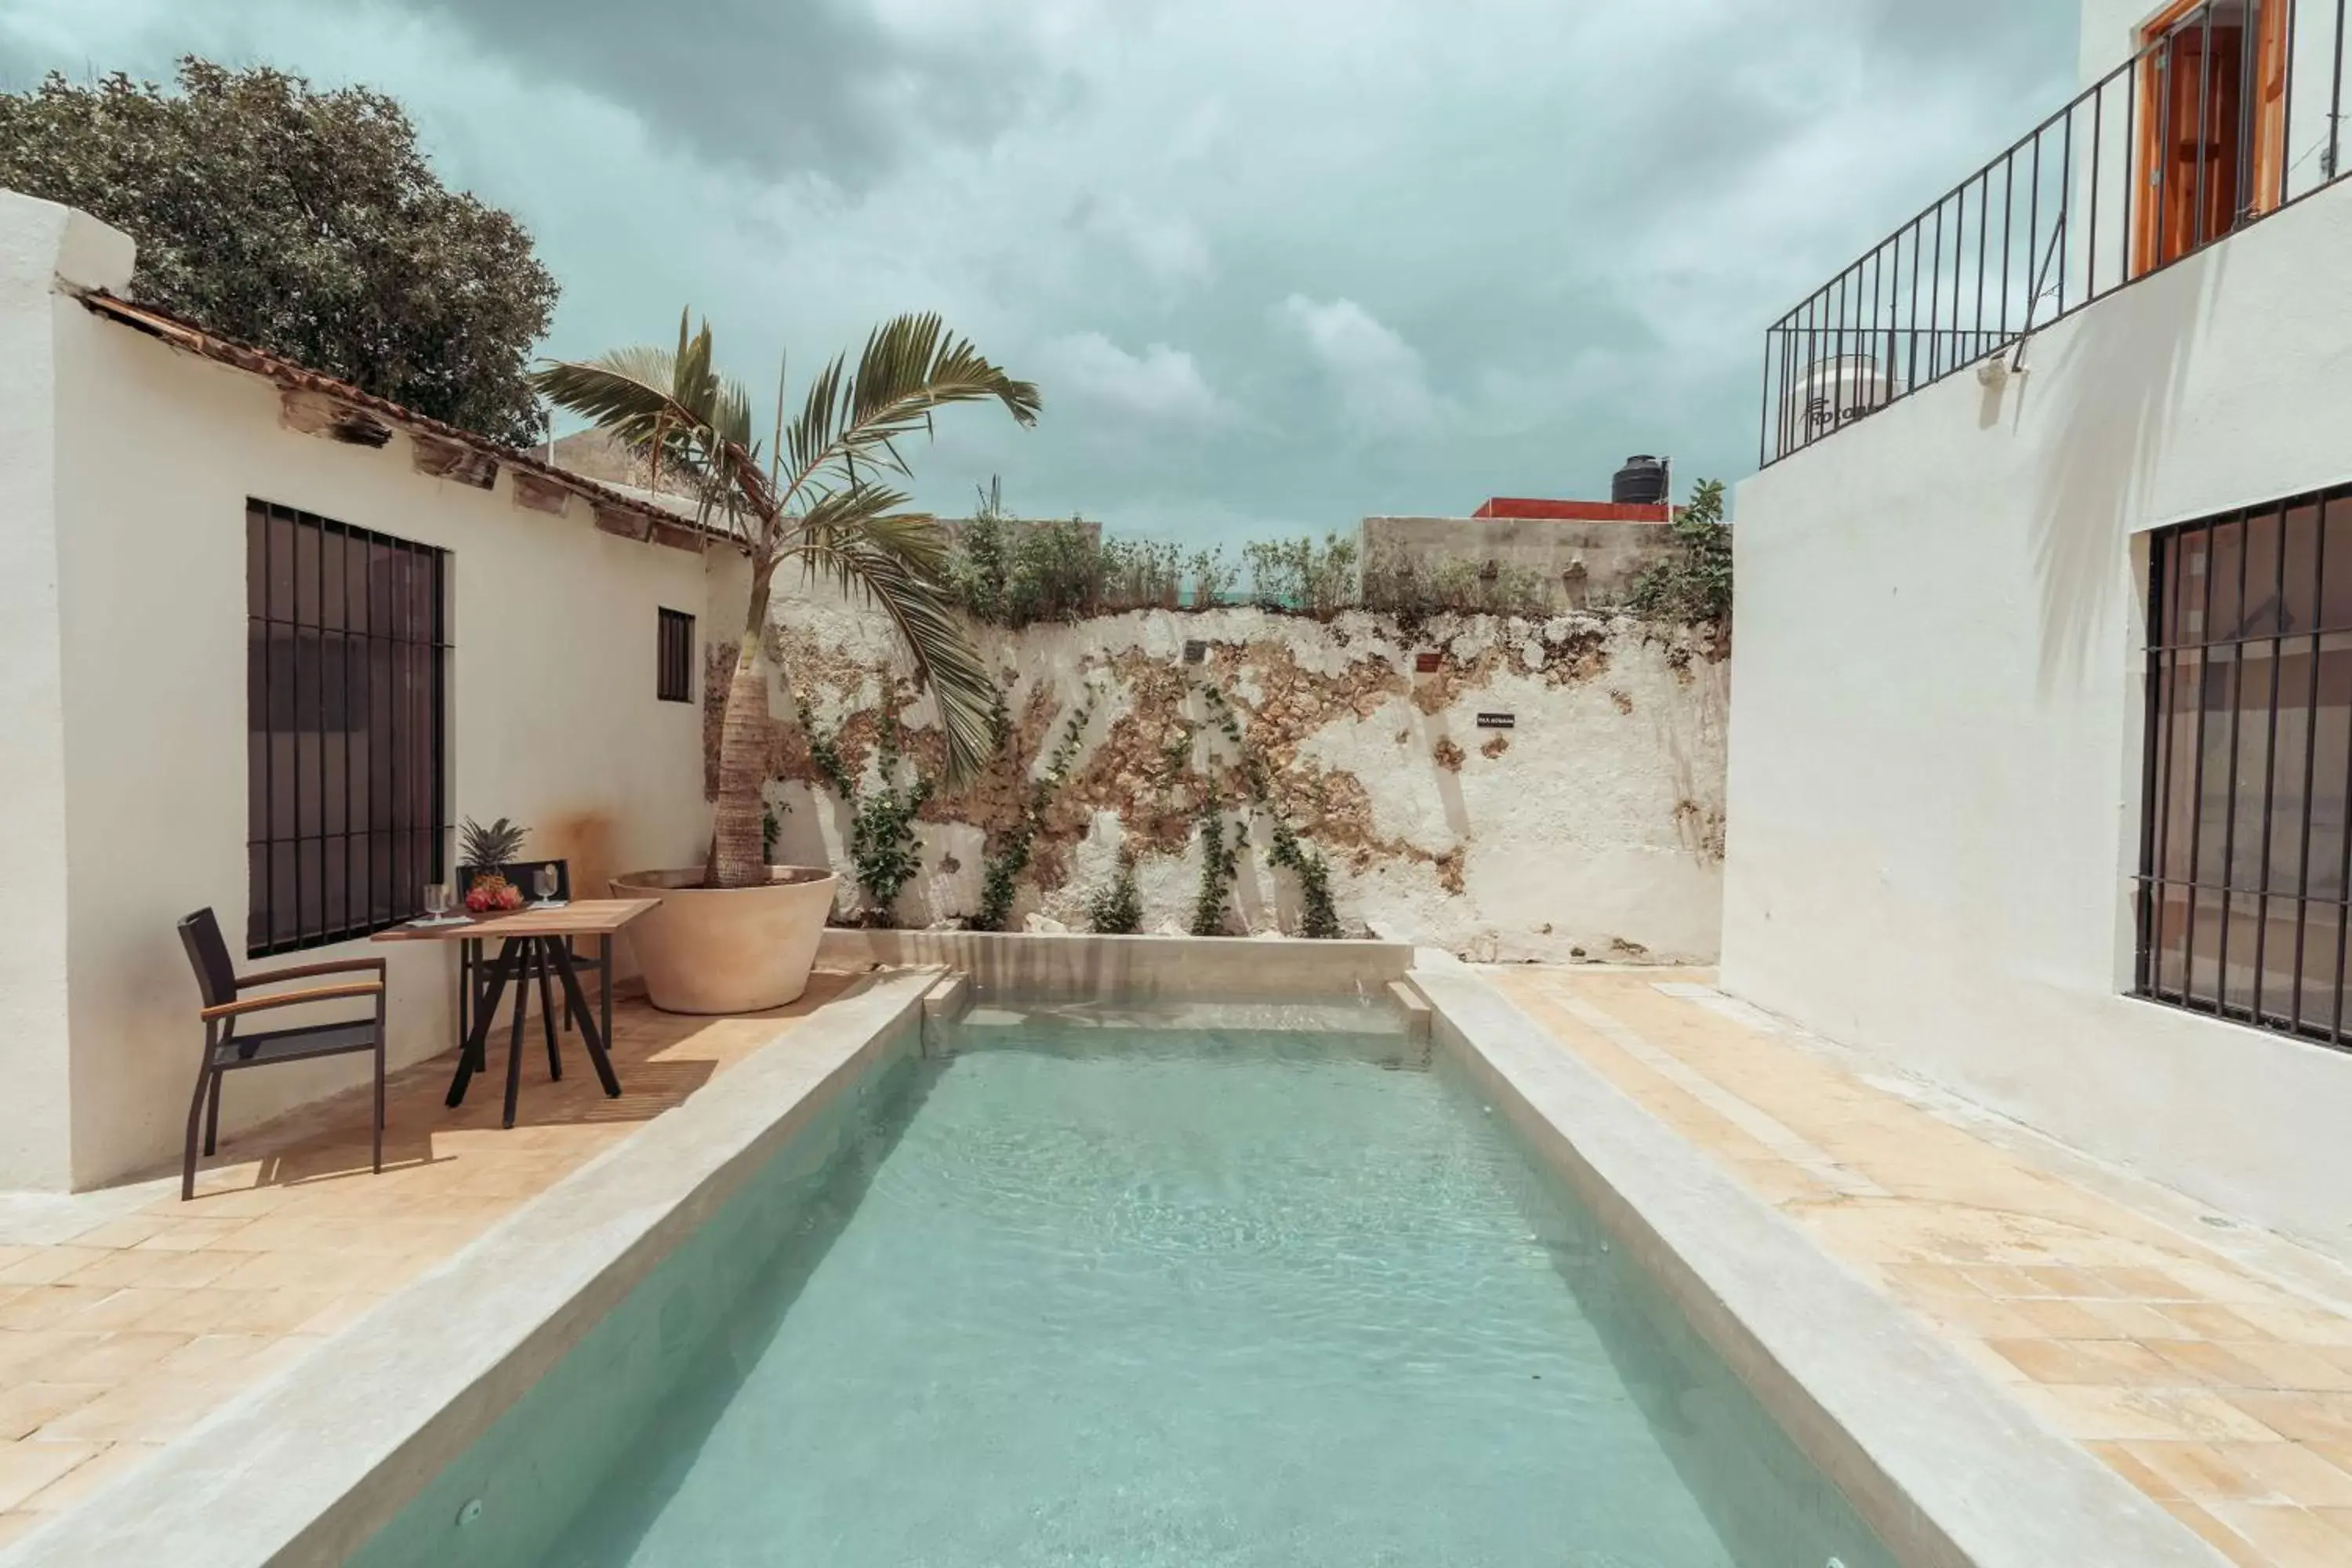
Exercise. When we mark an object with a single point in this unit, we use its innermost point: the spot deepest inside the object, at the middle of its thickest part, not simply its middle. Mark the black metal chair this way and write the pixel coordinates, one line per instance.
(523, 874)
(226, 1049)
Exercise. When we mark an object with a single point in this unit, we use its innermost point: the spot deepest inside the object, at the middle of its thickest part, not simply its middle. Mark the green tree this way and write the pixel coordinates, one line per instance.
(813, 498)
(305, 223)
(1694, 584)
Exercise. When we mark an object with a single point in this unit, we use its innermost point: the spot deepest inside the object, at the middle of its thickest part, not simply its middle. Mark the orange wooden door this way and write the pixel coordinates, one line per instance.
(2206, 163)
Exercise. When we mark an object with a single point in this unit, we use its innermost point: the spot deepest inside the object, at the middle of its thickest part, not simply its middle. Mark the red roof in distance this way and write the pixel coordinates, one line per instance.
(1573, 510)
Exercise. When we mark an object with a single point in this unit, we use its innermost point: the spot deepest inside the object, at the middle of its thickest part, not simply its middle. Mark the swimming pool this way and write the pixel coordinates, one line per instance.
(1235, 1286)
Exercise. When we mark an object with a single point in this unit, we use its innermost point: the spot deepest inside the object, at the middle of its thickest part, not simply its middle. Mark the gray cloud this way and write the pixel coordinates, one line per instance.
(1276, 267)
(779, 86)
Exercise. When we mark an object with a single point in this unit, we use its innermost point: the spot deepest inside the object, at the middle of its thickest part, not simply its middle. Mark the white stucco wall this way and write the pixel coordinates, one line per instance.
(1593, 832)
(124, 563)
(1934, 785)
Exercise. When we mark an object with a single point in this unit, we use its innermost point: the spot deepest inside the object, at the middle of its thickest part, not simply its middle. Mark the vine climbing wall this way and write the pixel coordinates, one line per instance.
(1507, 788)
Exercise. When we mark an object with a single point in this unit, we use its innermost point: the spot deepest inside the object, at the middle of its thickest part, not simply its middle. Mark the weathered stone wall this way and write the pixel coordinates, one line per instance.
(1592, 828)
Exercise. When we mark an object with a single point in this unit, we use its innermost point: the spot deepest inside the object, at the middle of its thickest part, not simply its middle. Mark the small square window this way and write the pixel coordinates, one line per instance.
(674, 681)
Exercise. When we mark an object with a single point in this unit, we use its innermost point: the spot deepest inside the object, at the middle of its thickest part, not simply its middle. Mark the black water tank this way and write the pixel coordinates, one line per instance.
(1641, 482)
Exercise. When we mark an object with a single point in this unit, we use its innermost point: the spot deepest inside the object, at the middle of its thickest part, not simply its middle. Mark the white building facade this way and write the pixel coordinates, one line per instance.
(260, 646)
(2042, 729)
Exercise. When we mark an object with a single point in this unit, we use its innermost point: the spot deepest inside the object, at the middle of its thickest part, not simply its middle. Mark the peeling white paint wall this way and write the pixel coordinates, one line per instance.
(1595, 831)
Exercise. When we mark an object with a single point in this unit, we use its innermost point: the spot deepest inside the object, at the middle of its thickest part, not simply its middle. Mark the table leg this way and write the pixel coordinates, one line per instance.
(531, 955)
(605, 985)
(474, 1056)
(546, 1007)
(589, 1035)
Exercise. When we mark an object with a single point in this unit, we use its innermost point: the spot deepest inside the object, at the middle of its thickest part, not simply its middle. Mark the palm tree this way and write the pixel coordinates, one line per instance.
(815, 498)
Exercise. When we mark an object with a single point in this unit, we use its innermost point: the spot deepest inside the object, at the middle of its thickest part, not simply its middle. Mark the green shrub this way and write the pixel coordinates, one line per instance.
(1695, 585)
(1117, 909)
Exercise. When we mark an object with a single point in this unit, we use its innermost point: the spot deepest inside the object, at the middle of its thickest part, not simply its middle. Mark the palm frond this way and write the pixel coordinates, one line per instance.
(911, 367)
(858, 540)
(671, 406)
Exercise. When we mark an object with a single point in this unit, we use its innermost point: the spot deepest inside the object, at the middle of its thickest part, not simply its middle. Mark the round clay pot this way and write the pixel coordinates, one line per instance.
(727, 950)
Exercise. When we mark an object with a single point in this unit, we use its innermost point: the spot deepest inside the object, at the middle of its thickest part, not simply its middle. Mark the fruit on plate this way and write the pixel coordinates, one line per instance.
(489, 851)
(492, 894)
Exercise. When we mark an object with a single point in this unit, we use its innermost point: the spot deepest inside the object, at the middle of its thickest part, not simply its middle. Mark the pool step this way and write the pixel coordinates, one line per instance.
(944, 1005)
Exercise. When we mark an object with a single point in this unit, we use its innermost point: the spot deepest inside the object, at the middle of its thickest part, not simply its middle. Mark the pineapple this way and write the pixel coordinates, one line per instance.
(488, 850)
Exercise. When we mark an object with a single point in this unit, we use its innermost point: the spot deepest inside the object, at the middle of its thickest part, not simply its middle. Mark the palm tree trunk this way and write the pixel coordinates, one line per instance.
(738, 848)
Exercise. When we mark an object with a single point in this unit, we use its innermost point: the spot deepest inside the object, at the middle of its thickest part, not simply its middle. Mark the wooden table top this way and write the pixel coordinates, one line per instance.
(580, 917)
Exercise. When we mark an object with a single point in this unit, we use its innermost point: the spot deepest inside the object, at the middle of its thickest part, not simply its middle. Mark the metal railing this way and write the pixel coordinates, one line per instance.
(2233, 112)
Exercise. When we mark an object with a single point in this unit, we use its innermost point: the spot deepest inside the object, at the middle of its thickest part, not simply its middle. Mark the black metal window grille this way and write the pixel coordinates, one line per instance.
(2244, 851)
(2231, 112)
(346, 704)
(673, 682)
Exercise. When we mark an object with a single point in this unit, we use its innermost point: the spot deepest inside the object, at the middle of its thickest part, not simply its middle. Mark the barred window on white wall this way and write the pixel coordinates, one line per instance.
(346, 707)
(2244, 853)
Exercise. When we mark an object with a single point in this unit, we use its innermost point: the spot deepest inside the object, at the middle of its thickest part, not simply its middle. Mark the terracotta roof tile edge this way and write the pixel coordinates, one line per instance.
(182, 333)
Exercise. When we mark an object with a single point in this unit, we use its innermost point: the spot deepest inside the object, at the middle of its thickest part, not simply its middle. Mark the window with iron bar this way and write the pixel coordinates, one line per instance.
(674, 678)
(346, 714)
(2245, 852)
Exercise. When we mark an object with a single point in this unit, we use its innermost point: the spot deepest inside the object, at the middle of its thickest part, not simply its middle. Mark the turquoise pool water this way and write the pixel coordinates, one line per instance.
(1127, 1297)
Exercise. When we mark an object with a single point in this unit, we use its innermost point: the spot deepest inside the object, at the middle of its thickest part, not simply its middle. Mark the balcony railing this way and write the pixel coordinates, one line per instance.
(2232, 112)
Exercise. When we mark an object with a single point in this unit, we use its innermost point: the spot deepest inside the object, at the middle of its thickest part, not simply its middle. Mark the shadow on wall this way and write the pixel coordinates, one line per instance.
(2116, 384)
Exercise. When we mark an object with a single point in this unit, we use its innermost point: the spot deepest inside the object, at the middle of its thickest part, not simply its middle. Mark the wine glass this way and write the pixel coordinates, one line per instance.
(547, 882)
(438, 898)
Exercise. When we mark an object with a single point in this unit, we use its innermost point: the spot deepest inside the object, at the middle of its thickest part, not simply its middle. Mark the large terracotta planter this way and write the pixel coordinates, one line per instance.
(727, 950)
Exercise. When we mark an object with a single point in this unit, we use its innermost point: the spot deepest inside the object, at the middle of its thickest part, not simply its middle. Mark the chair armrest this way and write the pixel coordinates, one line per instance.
(292, 998)
(304, 970)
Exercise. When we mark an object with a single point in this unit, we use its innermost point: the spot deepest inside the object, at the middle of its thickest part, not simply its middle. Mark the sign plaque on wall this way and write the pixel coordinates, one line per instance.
(1195, 651)
(1497, 721)
(1427, 663)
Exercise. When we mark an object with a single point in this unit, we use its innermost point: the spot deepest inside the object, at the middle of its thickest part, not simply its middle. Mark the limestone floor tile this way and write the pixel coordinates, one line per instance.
(26, 1468)
(25, 1352)
(2306, 1418)
(26, 1407)
(2124, 1459)
(2304, 1368)
(2214, 1363)
(49, 1264)
(51, 1306)
(158, 1268)
(119, 1309)
(117, 1356)
(2202, 1472)
(2220, 1536)
(2063, 1320)
(2134, 1320)
(2293, 1472)
(129, 1230)
(205, 1352)
(2286, 1536)
(189, 1235)
(2099, 1362)
(2297, 1323)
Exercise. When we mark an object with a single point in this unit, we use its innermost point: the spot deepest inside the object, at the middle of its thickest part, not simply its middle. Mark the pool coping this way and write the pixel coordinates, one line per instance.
(305, 1468)
(1945, 1466)
(1075, 964)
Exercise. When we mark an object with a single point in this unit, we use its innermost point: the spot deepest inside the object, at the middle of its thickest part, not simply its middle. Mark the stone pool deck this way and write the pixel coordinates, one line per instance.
(127, 1315)
(2209, 1364)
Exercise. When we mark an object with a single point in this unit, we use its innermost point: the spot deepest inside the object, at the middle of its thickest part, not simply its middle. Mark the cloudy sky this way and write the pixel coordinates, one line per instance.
(1276, 264)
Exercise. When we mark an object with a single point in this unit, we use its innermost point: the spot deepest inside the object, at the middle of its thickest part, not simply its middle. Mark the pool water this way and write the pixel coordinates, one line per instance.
(1129, 1297)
